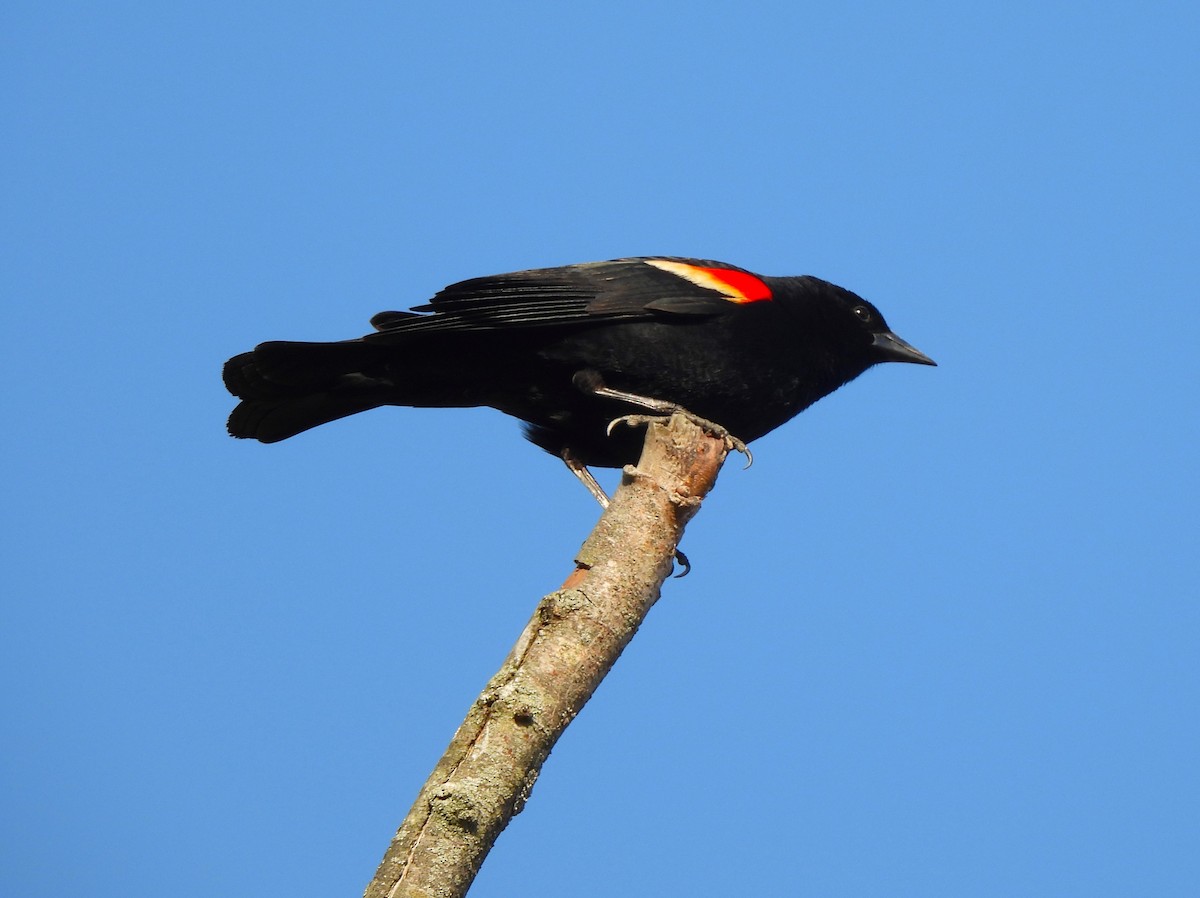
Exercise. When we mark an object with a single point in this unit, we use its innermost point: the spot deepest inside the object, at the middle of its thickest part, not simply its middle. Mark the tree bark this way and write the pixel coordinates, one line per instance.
(573, 640)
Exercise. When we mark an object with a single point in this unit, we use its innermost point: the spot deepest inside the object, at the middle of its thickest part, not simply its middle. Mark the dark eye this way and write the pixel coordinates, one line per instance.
(864, 314)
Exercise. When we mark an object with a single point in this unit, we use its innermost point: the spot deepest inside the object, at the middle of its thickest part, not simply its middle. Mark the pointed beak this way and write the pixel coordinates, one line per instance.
(890, 348)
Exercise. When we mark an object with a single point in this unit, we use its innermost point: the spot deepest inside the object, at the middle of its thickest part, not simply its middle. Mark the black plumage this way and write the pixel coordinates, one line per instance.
(550, 347)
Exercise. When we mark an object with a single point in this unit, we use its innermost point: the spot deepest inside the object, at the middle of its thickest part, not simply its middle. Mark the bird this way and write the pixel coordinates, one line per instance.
(568, 350)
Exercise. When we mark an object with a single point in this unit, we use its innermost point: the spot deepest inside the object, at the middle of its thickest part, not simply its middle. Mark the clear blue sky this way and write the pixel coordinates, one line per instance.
(941, 639)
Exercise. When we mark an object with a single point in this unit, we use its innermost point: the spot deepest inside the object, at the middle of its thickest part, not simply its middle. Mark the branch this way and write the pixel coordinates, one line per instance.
(573, 640)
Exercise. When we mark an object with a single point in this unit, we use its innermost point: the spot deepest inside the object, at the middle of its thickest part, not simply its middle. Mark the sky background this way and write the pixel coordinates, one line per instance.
(940, 640)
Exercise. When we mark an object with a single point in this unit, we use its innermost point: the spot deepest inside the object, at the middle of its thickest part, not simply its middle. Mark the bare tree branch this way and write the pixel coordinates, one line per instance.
(573, 640)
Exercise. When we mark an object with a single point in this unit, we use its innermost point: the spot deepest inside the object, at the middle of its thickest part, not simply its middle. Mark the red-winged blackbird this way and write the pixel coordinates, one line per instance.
(569, 349)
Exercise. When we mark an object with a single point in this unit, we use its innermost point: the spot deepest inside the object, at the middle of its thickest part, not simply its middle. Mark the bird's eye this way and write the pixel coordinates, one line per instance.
(863, 313)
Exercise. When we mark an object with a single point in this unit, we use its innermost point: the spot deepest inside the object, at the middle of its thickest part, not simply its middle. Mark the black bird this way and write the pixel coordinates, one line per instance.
(568, 350)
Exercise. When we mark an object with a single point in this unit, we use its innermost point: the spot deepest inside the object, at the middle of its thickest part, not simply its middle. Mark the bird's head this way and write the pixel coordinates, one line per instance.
(857, 324)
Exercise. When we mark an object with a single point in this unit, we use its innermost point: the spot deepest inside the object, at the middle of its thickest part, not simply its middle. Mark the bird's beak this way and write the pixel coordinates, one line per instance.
(891, 348)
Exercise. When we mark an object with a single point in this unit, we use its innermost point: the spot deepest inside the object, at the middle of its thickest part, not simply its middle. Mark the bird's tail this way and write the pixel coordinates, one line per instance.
(287, 388)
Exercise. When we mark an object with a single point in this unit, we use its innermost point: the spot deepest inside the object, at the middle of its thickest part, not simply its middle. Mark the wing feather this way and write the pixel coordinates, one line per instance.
(578, 295)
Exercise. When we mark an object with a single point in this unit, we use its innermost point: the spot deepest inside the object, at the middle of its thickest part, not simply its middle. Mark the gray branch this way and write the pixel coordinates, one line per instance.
(573, 640)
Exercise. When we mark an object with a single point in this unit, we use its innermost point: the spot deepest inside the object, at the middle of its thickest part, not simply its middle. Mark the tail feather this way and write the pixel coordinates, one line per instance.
(272, 420)
(283, 365)
(287, 388)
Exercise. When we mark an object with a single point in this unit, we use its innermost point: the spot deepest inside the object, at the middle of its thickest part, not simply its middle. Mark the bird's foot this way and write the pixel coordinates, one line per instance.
(589, 381)
(710, 427)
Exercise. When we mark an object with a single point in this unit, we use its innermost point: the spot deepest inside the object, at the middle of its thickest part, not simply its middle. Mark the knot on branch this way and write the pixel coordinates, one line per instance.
(561, 604)
(457, 805)
(523, 704)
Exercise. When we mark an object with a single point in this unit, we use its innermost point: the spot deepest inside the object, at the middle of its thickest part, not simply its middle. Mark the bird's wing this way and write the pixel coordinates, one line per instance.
(586, 294)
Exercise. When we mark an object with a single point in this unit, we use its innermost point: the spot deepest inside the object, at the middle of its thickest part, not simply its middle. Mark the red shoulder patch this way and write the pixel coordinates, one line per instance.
(735, 286)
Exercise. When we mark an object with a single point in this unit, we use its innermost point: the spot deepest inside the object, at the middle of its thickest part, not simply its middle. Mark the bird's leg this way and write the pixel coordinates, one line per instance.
(592, 383)
(580, 470)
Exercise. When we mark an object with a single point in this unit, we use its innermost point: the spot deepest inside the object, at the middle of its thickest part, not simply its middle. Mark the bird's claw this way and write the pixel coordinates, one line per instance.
(682, 561)
(630, 421)
(709, 427)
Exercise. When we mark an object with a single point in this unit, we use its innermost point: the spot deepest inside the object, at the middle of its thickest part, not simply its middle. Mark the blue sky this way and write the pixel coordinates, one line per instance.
(940, 640)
